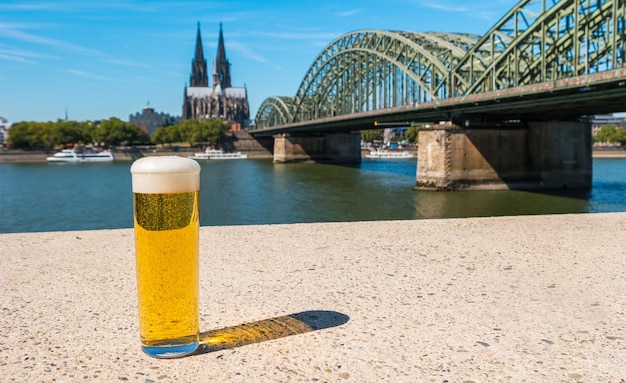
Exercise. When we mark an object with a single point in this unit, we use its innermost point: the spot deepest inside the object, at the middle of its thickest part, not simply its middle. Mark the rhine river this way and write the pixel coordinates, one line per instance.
(61, 197)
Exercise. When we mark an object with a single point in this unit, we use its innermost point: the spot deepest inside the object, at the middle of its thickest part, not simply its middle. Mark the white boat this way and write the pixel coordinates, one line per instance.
(81, 154)
(379, 154)
(218, 154)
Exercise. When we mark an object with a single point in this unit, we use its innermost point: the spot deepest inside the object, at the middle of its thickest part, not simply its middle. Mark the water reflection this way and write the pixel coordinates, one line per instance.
(429, 204)
(497, 203)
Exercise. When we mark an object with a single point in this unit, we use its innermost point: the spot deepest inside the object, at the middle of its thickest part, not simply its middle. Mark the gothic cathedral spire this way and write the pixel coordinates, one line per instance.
(198, 76)
(221, 67)
(219, 101)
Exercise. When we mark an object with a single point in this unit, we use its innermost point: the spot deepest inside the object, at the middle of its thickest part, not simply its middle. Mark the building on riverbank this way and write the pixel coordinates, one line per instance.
(600, 120)
(148, 120)
(219, 101)
(5, 125)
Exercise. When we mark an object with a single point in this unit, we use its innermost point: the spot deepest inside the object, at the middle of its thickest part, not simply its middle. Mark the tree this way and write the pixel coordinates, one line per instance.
(191, 131)
(187, 130)
(71, 132)
(162, 135)
(18, 136)
(411, 134)
(371, 135)
(210, 131)
(611, 134)
(31, 135)
(117, 132)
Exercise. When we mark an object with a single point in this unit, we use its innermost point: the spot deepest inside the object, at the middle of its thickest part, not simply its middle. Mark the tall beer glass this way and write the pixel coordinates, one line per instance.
(165, 205)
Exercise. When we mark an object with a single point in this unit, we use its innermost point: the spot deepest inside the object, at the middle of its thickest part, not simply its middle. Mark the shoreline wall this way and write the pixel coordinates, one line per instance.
(230, 142)
(39, 156)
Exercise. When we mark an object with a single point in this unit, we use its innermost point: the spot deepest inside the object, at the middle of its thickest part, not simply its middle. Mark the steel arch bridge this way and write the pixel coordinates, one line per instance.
(537, 41)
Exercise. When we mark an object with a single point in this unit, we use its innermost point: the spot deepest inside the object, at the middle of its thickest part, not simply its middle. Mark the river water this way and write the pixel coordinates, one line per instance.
(60, 197)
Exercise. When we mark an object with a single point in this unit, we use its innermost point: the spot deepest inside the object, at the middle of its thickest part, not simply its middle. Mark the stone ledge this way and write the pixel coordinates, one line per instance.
(528, 298)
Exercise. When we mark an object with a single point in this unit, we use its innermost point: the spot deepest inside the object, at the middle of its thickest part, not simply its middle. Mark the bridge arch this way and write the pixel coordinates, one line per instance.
(540, 41)
(369, 69)
(537, 41)
(274, 111)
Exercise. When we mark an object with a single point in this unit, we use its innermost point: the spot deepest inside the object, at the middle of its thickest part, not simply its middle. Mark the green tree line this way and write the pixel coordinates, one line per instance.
(611, 134)
(376, 134)
(192, 132)
(111, 132)
(48, 135)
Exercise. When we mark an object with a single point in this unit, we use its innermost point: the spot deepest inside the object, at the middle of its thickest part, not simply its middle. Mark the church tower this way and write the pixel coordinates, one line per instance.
(220, 101)
(221, 66)
(198, 75)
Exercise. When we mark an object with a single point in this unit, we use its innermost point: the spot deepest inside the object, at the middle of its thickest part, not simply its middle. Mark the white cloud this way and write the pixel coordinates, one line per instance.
(9, 57)
(127, 63)
(350, 12)
(82, 6)
(300, 35)
(478, 9)
(245, 51)
(147, 79)
(444, 7)
(10, 32)
(81, 73)
(27, 7)
(20, 55)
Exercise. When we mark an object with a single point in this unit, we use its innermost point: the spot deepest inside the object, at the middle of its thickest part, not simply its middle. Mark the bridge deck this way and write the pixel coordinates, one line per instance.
(563, 99)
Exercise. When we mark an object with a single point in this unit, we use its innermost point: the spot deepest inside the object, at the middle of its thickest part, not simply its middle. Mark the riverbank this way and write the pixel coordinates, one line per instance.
(130, 154)
(609, 153)
(503, 299)
(34, 156)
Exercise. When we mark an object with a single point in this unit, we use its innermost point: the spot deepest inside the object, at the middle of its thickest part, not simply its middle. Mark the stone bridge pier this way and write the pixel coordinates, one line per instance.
(328, 147)
(520, 155)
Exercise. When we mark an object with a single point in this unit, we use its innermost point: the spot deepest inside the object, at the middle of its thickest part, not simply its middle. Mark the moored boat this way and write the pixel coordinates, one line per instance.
(81, 154)
(218, 154)
(386, 154)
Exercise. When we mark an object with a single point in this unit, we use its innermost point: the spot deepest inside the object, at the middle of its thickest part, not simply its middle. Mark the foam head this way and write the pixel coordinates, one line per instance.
(166, 174)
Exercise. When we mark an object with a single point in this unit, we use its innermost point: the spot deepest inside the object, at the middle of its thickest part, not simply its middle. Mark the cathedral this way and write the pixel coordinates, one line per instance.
(219, 101)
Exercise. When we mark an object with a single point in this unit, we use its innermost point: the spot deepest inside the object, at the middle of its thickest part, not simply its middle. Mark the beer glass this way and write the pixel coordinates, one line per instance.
(165, 208)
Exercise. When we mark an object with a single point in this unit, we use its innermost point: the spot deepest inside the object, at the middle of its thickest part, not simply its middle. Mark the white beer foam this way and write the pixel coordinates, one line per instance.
(165, 174)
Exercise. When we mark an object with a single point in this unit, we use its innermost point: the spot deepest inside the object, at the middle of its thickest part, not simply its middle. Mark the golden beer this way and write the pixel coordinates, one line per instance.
(165, 205)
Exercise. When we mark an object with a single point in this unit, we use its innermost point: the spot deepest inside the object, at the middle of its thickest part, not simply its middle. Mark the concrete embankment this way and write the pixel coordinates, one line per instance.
(609, 153)
(34, 156)
(502, 299)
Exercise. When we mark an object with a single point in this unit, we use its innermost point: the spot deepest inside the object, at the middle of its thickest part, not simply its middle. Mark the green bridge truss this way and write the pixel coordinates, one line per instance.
(537, 41)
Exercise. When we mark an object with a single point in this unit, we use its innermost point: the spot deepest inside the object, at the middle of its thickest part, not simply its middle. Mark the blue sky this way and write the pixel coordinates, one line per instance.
(109, 59)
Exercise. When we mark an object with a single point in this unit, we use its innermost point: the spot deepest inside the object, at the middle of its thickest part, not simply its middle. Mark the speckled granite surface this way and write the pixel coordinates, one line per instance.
(510, 299)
